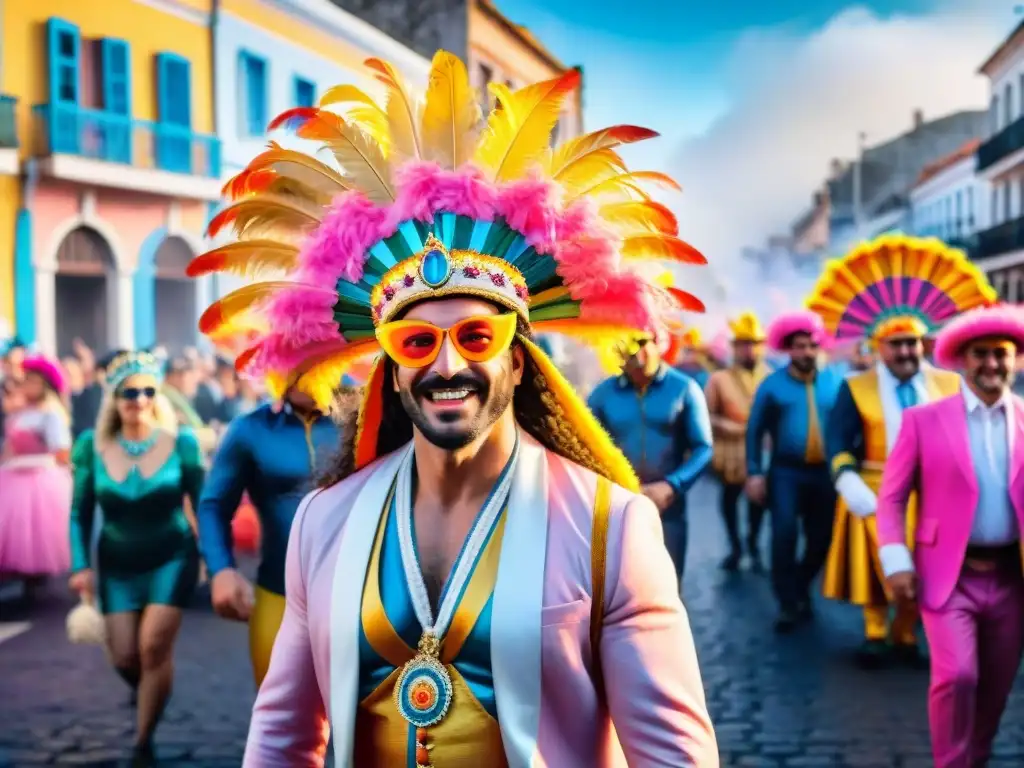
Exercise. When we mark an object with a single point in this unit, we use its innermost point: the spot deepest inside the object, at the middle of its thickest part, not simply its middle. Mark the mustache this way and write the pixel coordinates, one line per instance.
(461, 380)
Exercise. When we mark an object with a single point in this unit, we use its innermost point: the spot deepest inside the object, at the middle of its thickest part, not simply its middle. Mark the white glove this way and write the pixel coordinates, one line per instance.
(860, 499)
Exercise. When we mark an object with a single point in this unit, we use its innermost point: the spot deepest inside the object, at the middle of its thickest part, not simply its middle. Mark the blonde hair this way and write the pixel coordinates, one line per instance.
(108, 423)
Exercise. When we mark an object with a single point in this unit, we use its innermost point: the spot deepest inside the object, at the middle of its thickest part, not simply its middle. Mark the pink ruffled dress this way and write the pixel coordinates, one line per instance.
(35, 496)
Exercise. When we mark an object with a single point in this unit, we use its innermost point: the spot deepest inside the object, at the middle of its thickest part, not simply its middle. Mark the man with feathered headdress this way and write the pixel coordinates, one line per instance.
(730, 393)
(478, 580)
(891, 292)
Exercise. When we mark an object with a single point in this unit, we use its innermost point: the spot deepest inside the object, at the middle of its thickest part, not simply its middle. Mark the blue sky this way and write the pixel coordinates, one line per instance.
(754, 100)
(634, 52)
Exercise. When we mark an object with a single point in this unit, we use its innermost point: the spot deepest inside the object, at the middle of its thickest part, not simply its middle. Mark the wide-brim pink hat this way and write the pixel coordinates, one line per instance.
(1004, 321)
(50, 370)
(801, 321)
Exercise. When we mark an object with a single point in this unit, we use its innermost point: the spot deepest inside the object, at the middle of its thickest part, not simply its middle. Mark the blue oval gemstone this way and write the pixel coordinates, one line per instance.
(435, 268)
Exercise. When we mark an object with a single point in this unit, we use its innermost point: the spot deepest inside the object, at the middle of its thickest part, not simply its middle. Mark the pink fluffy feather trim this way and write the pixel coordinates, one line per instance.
(1005, 321)
(802, 321)
(50, 370)
(587, 254)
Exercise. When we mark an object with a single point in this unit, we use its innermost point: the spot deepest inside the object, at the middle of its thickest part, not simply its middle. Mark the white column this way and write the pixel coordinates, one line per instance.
(121, 310)
(46, 310)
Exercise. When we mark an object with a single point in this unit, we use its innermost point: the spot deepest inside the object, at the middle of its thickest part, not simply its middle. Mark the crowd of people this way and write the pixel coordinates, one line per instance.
(463, 563)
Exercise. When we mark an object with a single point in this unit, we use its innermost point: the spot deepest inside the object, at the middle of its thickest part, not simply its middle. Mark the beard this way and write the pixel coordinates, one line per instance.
(805, 364)
(456, 429)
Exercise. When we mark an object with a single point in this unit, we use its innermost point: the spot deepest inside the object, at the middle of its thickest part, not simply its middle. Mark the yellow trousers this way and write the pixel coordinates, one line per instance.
(901, 632)
(264, 622)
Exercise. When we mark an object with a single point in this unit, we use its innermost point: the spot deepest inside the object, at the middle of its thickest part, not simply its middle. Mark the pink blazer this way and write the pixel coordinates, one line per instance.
(933, 456)
(658, 715)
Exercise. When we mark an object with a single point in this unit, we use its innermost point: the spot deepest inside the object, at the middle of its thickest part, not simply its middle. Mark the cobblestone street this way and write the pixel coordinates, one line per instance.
(788, 702)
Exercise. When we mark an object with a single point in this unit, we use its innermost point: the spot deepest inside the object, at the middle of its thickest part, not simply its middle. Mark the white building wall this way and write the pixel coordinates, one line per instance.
(285, 60)
(1007, 91)
(955, 203)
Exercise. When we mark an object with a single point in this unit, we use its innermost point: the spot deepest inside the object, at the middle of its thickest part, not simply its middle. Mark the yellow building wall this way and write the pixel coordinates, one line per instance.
(10, 199)
(296, 31)
(491, 42)
(147, 30)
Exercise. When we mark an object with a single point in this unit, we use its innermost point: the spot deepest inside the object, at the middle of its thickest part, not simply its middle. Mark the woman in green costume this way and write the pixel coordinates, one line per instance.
(132, 547)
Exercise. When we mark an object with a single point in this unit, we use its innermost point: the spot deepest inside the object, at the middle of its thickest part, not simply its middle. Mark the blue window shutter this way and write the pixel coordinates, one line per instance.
(174, 90)
(116, 62)
(64, 53)
(305, 93)
(254, 88)
(174, 113)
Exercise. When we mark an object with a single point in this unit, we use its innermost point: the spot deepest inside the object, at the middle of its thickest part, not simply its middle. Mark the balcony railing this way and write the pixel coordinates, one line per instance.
(8, 126)
(96, 135)
(1002, 238)
(1004, 143)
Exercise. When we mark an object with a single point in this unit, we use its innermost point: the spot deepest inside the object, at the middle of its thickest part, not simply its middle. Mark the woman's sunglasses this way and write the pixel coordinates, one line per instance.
(134, 393)
(417, 343)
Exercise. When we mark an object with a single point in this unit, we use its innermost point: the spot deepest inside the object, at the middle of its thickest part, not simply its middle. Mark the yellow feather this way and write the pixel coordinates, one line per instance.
(402, 113)
(519, 133)
(640, 218)
(451, 114)
(321, 377)
(626, 186)
(599, 165)
(299, 166)
(368, 119)
(262, 215)
(655, 246)
(566, 161)
(360, 157)
(247, 258)
(228, 307)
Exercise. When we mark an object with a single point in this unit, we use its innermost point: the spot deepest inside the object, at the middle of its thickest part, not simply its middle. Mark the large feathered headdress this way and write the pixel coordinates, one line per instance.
(897, 285)
(428, 200)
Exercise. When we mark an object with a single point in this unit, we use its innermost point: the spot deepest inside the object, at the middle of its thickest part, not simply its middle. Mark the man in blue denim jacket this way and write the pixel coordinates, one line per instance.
(658, 417)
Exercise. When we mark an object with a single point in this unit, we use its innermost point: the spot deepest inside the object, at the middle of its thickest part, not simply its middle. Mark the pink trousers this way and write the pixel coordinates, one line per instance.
(975, 642)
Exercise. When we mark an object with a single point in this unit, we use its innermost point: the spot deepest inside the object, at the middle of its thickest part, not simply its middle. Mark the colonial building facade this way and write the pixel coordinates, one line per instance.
(1000, 163)
(949, 201)
(116, 166)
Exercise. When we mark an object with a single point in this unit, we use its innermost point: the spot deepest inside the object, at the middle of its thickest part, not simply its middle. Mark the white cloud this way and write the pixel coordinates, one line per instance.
(799, 101)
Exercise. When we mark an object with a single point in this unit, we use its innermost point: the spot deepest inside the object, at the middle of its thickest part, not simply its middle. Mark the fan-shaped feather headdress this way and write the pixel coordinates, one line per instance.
(897, 285)
(427, 200)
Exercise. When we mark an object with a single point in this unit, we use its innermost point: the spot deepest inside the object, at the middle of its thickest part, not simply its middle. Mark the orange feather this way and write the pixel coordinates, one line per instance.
(661, 247)
(686, 301)
(295, 117)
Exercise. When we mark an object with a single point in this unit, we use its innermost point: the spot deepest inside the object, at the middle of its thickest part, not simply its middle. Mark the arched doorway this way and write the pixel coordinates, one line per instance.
(82, 291)
(175, 296)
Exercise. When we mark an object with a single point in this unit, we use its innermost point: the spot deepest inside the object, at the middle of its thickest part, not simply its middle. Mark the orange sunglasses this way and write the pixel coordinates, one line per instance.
(417, 343)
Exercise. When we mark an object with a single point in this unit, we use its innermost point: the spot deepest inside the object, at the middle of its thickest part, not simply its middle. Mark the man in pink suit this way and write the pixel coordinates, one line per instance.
(477, 581)
(963, 457)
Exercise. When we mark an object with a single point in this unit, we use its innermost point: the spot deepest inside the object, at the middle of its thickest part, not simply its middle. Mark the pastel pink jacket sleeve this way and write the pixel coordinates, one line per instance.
(898, 480)
(652, 678)
(288, 727)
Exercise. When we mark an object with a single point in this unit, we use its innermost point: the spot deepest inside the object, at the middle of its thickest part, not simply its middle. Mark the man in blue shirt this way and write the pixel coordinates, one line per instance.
(273, 453)
(658, 418)
(790, 408)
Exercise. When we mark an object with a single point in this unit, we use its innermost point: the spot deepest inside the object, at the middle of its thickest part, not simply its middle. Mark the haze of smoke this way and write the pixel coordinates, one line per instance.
(800, 102)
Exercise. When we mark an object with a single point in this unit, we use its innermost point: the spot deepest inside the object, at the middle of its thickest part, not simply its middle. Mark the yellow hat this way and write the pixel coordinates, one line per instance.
(747, 327)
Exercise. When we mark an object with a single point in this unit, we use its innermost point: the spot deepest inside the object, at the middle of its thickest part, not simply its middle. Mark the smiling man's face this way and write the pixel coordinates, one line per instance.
(453, 401)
